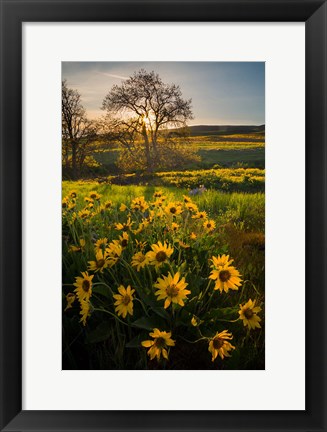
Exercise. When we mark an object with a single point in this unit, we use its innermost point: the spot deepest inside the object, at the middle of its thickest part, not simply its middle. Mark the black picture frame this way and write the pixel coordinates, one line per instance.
(13, 14)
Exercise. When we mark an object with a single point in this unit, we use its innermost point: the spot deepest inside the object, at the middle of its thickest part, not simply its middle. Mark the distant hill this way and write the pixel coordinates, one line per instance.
(232, 129)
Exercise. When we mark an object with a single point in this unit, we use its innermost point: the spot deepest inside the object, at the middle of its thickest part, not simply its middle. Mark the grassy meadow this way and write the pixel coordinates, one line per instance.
(166, 270)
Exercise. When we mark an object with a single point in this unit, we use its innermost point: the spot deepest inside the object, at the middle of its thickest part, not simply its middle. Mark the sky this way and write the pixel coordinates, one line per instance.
(222, 93)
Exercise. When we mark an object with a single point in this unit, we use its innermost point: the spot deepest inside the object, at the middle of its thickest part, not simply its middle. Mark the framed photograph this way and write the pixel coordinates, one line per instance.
(163, 215)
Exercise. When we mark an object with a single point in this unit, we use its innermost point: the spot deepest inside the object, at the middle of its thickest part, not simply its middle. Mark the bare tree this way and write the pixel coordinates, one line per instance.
(77, 131)
(140, 114)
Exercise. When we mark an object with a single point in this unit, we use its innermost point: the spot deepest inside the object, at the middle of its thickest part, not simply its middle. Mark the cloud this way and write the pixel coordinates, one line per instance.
(114, 76)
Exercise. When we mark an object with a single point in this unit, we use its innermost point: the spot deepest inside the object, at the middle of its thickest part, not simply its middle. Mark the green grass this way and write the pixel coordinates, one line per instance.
(243, 208)
(223, 150)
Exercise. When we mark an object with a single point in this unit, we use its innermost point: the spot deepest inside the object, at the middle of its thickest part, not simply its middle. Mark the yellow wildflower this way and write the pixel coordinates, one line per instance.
(70, 298)
(159, 254)
(124, 301)
(219, 345)
(83, 286)
(172, 289)
(248, 314)
(159, 345)
(139, 260)
(100, 262)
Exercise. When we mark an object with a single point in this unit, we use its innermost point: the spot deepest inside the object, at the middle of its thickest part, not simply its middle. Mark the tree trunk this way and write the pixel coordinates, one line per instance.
(147, 150)
(74, 160)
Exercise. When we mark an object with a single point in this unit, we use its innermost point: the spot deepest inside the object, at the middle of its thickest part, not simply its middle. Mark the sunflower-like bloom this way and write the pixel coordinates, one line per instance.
(124, 226)
(107, 204)
(159, 345)
(123, 239)
(113, 252)
(83, 286)
(200, 215)
(122, 207)
(100, 263)
(124, 301)
(70, 298)
(72, 194)
(159, 202)
(173, 209)
(159, 254)
(174, 226)
(79, 248)
(187, 199)
(209, 225)
(226, 276)
(84, 213)
(248, 314)
(192, 207)
(139, 204)
(221, 260)
(172, 289)
(193, 236)
(219, 345)
(100, 244)
(140, 245)
(195, 321)
(65, 203)
(89, 201)
(141, 226)
(139, 260)
(85, 311)
(158, 194)
(94, 195)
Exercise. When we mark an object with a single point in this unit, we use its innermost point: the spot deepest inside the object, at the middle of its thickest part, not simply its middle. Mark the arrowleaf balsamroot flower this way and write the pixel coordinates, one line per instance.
(85, 311)
(159, 346)
(124, 240)
(139, 204)
(248, 314)
(83, 286)
(219, 345)
(124, 301)
(173, 209)
(209, 225)
(80, 248)
(72, 194)
(124, 226)
(100, 244)
(122, 207)
(172, 289)
(70, 298)
(100, 262)
(226, 276)
(159, 254)
(139, 260)
(221, 260)
(200, 215)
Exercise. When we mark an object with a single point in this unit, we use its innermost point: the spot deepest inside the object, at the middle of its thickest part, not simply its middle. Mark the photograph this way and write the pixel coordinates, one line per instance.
(163, 215)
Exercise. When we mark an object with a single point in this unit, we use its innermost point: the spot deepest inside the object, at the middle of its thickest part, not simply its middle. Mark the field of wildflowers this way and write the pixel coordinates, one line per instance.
(162, 277)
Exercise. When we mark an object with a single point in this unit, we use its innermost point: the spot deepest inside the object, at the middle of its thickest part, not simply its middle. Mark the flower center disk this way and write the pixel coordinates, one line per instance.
(218, 343)
(172, 291)
(161, 256)
(224, 275)
(86, 285)
(248, 313)
(126, 299)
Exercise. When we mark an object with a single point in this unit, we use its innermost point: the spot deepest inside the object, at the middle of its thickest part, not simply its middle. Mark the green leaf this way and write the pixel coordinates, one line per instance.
(102, 290)
(100, 334)
(225, 313)
(161, 312)
(136, 342)
(149, 323)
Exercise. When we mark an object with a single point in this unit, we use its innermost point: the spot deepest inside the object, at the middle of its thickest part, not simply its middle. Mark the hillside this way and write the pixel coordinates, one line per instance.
(201, 130)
